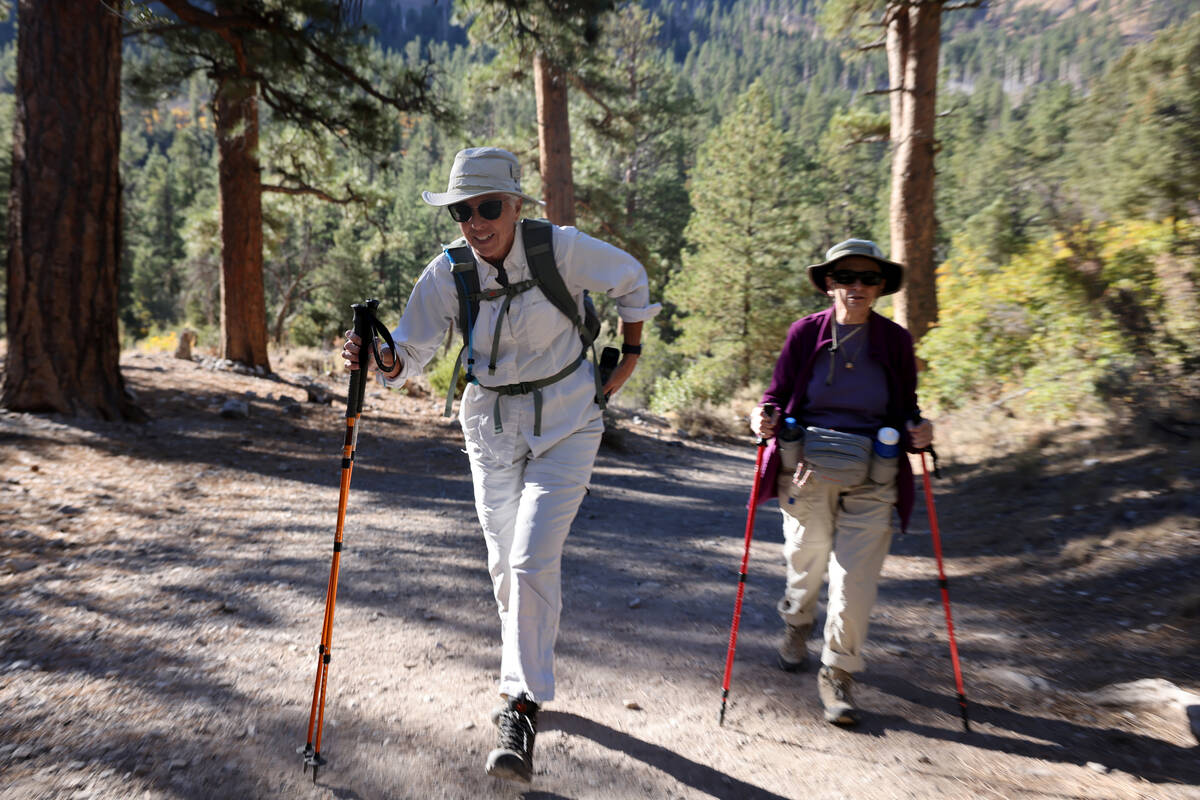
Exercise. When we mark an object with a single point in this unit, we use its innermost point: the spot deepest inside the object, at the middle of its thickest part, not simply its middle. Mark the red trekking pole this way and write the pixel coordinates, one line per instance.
(942, 582)
(741, 590)
(365, 327)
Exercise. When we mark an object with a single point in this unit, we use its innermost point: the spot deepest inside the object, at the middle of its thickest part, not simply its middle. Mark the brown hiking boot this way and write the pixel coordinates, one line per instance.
(834, 685)
(793, 653)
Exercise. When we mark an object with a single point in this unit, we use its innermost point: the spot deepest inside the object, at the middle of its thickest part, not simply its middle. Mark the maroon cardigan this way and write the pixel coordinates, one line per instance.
(889, 345)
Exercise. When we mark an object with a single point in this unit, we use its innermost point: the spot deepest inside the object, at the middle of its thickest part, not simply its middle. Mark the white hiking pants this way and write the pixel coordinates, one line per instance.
(846, 532)
(526, 505)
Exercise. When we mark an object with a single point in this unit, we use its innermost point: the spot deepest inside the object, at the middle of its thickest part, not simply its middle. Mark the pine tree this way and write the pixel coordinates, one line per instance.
(64, 227)
(308, 67)
(742, 282)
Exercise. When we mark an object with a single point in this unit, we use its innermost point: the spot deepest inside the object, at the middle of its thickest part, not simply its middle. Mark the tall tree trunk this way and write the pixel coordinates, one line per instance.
(65, 214)
(554, 140)
(913, 36)
(243, 302)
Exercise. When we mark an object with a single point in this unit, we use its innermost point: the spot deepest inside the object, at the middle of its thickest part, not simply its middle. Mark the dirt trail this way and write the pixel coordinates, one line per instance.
(161, 589)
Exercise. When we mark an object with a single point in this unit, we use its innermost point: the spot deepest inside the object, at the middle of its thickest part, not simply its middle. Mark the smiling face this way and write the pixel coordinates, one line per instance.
(492, 238)
(853, 301)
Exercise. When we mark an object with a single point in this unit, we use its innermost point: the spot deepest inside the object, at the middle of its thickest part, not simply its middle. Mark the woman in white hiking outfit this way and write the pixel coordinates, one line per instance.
(531, 412)
(842, 406)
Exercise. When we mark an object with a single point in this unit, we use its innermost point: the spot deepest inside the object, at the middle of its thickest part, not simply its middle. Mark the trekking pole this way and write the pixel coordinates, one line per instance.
(943, 583)
(741, 590)
(365, 327)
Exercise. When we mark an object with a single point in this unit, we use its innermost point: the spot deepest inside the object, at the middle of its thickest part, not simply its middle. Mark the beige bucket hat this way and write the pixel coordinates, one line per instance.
(479, 171)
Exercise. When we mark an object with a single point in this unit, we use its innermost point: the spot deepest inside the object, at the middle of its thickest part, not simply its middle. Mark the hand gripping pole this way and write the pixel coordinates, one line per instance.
(937, 550)
(741, 590)
(365, 327)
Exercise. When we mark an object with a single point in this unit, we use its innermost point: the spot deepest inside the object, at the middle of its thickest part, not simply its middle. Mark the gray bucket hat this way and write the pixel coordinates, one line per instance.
(893, 273)
(479, 171)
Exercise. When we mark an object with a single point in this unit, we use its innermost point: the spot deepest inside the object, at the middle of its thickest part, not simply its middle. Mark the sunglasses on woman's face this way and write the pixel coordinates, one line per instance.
(488, 209)
(847, 277)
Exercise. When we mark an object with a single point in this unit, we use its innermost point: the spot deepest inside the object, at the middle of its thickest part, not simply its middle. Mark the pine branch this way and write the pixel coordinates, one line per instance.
(305, 189)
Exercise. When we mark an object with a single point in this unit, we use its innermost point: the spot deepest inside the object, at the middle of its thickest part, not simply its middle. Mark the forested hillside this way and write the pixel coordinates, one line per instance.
(1068, 178)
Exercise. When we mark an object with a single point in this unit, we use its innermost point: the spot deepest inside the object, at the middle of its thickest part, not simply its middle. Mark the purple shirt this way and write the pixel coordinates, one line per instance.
(889, 345)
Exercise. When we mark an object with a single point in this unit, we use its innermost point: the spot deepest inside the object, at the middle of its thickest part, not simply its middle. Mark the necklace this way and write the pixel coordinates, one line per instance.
(836, 346)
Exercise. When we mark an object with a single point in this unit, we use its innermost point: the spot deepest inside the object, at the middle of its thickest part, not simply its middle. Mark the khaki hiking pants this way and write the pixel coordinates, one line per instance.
(847, 533)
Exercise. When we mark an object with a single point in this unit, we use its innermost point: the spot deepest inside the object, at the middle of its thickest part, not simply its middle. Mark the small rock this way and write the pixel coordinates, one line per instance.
(635, 602)
(467, 726)
(632, 705)
(235, 408)
(24, 751)
(924, 760)
(177, 763)
(1096, 766)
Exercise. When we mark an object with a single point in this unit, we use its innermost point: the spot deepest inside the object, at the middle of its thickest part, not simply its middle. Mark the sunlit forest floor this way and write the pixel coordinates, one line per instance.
(162, 586)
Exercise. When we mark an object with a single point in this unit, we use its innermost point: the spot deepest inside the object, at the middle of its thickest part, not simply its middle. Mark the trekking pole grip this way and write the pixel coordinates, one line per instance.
(364, 313)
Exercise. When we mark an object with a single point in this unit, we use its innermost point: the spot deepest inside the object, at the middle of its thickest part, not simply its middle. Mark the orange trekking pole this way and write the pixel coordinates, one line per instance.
(741, 590)
(944, 584)
(365, 327)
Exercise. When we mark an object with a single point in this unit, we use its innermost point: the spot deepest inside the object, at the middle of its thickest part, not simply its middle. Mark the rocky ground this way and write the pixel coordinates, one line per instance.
(162, 587)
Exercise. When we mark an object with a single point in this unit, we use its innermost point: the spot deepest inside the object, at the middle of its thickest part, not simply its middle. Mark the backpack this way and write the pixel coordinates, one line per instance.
(539, 252)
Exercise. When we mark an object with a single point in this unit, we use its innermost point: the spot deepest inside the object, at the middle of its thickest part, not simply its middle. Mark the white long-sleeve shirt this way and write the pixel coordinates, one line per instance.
(536, 339)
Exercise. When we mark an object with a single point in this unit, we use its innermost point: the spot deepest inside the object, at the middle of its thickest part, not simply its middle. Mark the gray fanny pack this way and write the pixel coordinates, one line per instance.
(835, 457)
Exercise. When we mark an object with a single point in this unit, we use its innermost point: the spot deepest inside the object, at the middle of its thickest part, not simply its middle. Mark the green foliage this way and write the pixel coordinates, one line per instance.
(631, 150)
(1100, 314)
(742, 278)
(440, 370)
(1138, 137)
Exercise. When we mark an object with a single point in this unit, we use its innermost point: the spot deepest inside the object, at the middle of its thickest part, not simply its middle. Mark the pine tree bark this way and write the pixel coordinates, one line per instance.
(65, 215)
(243, 303)
(913, 37)
(554, 140)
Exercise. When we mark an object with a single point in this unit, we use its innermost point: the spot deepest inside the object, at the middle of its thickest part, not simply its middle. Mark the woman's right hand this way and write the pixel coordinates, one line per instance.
(352, 353)
(351, 349)
(763, 423)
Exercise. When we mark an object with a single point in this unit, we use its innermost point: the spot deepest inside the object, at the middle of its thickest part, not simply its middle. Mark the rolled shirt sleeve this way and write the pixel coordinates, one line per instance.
(597, 266)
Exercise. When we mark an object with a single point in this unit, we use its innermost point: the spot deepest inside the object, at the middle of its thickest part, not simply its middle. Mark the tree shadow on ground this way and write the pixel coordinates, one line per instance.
(1045, 738)
(688, 772)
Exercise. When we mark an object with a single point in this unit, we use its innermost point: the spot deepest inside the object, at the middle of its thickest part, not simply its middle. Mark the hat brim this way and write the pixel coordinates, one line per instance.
(441, 199)
(893, 273)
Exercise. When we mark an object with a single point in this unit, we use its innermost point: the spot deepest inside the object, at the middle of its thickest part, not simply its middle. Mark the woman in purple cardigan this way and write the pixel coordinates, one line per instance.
(843, 375)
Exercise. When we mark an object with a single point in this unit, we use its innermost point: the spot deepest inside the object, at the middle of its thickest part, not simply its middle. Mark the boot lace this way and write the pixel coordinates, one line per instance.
(517, 730)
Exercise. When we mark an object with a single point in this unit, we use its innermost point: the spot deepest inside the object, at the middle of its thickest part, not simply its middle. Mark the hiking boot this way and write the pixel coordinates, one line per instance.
(793, 653)
(513, 757)
(834, 685)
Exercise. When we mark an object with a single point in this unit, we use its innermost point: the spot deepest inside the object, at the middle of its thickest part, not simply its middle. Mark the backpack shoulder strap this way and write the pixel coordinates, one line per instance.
(466, 283)
(539, 252)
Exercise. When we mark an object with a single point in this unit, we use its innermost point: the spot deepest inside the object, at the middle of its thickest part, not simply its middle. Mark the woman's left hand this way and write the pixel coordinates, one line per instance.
(620, 374)
(921, 435)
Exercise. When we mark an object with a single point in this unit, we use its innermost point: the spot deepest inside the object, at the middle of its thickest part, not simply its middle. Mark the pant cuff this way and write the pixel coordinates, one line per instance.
(850, 664)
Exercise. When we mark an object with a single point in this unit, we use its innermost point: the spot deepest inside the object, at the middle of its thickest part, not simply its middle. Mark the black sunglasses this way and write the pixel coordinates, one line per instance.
(846, 277)
(488, 209)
